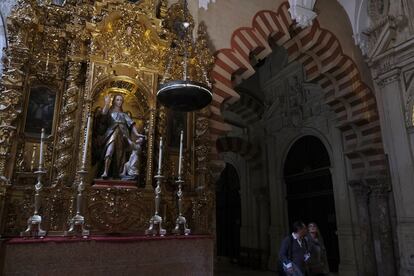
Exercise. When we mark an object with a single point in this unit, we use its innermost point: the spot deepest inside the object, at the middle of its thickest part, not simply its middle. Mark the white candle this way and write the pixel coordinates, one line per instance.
(47, 62)
(160, 157)
(85, 145)
(180, 158)
(42, 137)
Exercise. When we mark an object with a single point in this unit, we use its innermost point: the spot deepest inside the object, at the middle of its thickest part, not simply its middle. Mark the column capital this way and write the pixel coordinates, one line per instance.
(261, 193)
(383, 79)
(302, 12)
(360, 188)
(380, 191)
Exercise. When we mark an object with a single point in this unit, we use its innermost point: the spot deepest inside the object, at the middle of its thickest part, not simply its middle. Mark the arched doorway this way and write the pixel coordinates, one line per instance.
(309, 191)
(228, 213)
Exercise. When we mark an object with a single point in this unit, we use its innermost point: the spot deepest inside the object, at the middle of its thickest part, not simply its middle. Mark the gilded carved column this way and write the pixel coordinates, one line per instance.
(12, 82)
(204, 203)
(157, 116)
(368, 262)
(153, 144)
(66, 131)
(201, 147)
(11, 90)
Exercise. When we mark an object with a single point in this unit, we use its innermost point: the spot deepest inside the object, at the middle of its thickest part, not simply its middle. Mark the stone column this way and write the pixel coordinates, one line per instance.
(246, 235)
(396, 143)
(368, 263)
(348, 239)
(273, 212)
(382, 230)
(277, 202)
(389, 94)
(262, 203)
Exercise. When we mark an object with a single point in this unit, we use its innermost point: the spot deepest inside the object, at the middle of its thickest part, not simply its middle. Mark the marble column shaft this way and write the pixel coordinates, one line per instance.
(368, 262)
(382, 231)
(389, 94)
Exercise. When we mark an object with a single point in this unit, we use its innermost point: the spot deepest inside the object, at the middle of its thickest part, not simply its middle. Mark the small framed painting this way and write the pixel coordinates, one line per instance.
(40, 111)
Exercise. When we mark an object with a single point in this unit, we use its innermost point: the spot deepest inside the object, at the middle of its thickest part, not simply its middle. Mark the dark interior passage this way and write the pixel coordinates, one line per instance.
(310, 191)
(228, 213)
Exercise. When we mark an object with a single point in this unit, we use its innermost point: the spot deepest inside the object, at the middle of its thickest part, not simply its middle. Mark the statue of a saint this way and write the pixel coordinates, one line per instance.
(118, 136)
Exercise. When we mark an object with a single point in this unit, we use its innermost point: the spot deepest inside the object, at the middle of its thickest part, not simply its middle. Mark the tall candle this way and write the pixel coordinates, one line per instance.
(32, 162)
(180, 158)
(85, 145)
(160, 157)
(42, 137)
(47, 62)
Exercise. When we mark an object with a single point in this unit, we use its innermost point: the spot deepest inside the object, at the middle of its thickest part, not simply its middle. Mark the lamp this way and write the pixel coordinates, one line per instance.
(183, 94)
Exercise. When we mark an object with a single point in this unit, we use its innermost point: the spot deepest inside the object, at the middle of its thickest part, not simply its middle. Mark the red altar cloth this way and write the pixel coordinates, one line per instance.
(108, 255)
(19, 240)
(110, 183)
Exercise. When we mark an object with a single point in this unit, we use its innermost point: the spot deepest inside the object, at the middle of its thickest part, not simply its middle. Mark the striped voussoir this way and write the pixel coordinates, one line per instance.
(249, 108)
(320, 52)
(237, 145)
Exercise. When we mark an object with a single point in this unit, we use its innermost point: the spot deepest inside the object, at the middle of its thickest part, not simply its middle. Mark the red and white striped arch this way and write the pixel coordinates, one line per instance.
(325, 63)
(237, 145)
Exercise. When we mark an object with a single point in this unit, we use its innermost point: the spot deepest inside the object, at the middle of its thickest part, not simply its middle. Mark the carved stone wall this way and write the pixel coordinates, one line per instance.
(277, 106)
(295, 108)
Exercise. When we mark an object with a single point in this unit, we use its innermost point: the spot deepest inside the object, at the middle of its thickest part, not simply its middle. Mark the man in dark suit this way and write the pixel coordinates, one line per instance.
(294, 251)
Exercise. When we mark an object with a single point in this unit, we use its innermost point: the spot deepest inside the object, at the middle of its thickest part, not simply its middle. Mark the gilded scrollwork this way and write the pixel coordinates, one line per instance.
(203, 60)
(202, 214)
(57, 207)
(117, 210)
(18, 210)
(21, 163)
(6, 133)
(10, 103)
(128, 36)
(201, 139)
(100, 72)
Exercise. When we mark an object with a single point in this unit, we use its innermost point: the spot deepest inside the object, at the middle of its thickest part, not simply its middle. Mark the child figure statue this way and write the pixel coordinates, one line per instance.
(131, 167)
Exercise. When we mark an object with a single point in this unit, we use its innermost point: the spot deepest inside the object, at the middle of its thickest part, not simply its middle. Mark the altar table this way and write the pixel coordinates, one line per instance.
(103, 255)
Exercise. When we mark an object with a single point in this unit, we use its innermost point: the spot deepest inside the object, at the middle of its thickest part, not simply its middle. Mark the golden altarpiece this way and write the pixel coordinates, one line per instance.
(63, 58)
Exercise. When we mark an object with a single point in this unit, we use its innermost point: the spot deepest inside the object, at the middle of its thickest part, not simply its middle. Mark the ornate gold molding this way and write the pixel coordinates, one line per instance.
(84, 51)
